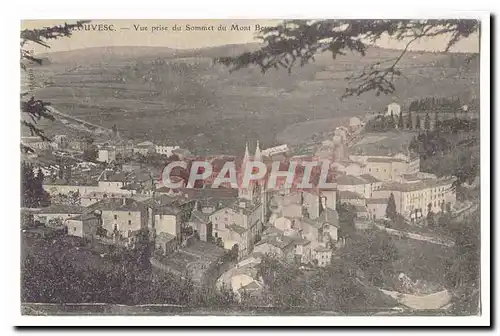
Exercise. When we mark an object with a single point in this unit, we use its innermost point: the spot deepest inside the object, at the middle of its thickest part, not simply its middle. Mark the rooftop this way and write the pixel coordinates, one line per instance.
(376, 201)
(384, 159)
(360, 208)
(61, 209)
(84, 217)
(117, 204)
(118, 177)
(369, 178)
(350, 195)
(71, 182)
(414, 186)
(145, 144)
(236, 228)
(349, 180)
(321, 248)
(199, 216)
(164, 237)
(277, 241)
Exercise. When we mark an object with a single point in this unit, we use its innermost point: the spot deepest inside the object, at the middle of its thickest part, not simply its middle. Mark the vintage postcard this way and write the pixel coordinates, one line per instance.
(251, 167)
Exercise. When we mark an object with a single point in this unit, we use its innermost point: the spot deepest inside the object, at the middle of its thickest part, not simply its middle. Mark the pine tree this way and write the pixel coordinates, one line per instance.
(390, 211)
(427, 122)
(392, 121)
(418, 123)
(400, 121)
(437, 124)
(409, 121)
(32, 192)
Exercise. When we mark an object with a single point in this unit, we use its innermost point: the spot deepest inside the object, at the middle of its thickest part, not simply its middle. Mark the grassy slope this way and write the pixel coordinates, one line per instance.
(179, 96)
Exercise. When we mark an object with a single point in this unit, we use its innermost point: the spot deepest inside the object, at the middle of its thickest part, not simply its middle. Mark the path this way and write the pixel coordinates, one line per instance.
(436, 300)
(416, 236)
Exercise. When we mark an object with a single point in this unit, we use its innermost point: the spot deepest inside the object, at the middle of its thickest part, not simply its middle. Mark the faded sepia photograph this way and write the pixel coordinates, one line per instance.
(323, 167)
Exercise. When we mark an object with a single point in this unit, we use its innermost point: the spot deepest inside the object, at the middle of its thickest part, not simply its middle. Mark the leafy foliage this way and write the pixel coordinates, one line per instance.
(374, 253)
(347, 214)
(51, 278)
(32, 193)
(463, 271)
(32, 110)
(390, 211)
(445, 154)
(297, 42)
(334, 287)
(435, 103)
(380, 123)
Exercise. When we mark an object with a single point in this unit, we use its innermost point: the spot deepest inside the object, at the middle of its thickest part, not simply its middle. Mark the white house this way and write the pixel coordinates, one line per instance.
(106, 154)
(165, 150)
(394, 109)
(415, 199)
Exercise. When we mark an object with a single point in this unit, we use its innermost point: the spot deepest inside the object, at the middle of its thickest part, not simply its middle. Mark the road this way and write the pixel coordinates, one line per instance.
(90, 126)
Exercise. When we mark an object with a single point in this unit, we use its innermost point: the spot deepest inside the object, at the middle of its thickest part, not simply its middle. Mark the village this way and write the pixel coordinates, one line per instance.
(109, 193)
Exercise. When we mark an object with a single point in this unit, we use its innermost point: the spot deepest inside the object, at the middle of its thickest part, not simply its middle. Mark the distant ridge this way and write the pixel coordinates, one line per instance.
(114, 53)
(96, 55)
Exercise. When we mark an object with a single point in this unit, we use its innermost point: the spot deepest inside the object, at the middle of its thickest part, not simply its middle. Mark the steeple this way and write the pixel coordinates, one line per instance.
(258, 154)
(247, 154)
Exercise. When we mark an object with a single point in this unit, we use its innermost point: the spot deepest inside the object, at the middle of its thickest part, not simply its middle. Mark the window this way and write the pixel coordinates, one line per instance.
(129, 222)
(116, 216)
(216, 235)
(129, 213)
(74, 228)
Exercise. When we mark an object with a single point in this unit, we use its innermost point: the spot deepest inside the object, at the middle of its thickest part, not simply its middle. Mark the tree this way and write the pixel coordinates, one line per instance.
(418, 125)
(427, 122)
(430, 215)
(400, 121)
(32, 192)
(234, 252)
(297, 42)
(409, 121)
(463, 270)
(33, 110)
(347, 214)
(90, 153)
(437, 123)
(390, 211)
(374, 253)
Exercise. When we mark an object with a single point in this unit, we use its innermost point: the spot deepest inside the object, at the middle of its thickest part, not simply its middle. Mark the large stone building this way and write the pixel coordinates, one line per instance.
(415, 197)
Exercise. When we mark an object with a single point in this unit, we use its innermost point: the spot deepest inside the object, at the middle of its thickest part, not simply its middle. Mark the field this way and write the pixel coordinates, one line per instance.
(182, 98)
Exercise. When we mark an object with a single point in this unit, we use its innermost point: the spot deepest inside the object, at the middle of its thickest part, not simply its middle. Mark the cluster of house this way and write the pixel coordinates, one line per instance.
(107, 151)
(372, 169)
(299, 226)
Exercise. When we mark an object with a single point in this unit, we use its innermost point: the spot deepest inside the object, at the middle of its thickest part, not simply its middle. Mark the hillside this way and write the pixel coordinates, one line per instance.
(181, 97)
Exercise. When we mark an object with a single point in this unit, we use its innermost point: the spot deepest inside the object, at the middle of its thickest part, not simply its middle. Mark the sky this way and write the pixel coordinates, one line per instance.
(125, 34)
